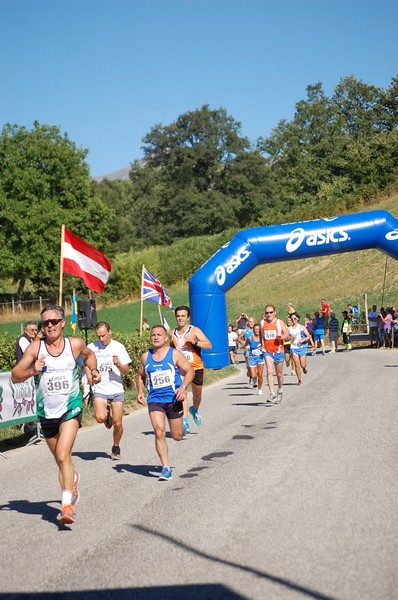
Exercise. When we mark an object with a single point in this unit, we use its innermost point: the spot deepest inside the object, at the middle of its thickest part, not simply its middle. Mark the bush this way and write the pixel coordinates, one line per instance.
(7, 352)
(135, 345)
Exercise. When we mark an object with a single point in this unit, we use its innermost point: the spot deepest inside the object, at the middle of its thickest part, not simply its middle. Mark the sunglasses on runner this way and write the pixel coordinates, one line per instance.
(51, 321)
(269, 312)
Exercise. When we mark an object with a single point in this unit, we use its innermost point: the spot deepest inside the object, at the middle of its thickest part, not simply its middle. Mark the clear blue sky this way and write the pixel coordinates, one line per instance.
(106, 71)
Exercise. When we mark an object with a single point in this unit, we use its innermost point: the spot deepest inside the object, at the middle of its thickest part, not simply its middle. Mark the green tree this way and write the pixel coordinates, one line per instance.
(178, 188)
(117, 195)
(389, 106)
(44, 183)
(358, 104)
(196, 147)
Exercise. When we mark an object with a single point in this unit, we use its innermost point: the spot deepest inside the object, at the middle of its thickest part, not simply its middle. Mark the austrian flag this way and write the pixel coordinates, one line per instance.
(84, 261)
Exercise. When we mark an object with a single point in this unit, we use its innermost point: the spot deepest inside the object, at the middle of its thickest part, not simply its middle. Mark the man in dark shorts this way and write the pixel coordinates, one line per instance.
(160, 370)
(53, 362)
(190, 340)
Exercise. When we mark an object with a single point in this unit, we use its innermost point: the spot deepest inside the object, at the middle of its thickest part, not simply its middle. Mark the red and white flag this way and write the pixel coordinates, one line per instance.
(85, 261)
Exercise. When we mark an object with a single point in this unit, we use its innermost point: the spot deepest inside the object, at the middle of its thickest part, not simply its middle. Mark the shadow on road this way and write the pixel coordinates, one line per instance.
(249, 403)
(277, 580)
(203, 591)
(91, 455)
(144, 470)
(47, 512)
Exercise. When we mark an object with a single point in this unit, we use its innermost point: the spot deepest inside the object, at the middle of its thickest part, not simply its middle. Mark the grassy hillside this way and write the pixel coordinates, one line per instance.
(339, 278)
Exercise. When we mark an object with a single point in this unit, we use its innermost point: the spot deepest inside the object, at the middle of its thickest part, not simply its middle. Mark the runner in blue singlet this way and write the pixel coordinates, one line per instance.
(160, 370)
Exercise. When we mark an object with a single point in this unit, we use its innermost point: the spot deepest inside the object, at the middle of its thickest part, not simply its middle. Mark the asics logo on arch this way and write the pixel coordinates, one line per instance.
(229, 267)
(319, 238)
(392, 236)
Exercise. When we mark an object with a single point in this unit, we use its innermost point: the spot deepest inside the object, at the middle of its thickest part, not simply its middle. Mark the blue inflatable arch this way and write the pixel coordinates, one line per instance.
(289, 241)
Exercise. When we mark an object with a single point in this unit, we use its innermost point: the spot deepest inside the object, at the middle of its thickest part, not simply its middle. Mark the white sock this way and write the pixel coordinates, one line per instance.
(66, 497)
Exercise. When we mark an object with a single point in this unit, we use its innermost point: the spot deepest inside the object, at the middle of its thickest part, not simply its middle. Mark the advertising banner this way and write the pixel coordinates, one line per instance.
(17, 401)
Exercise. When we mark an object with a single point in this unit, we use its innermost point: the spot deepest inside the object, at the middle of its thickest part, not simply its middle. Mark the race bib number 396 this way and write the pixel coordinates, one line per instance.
(57, 385)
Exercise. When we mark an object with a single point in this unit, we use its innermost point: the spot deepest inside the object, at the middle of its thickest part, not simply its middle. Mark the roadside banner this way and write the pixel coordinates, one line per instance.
(17, 401)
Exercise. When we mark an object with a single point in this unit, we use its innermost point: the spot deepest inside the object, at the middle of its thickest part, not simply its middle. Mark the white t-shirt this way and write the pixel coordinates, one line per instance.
(111, 378)
(23, 343)
(373, 314)
(232, 337)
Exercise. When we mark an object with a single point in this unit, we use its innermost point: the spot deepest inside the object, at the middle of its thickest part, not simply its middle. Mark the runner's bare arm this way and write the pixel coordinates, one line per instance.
(284, 332)
(29, 364)
(141, 379)
(182, 363)
(198, 338)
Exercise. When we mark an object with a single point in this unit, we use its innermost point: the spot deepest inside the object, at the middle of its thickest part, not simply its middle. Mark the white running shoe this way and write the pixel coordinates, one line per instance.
(260, 392)
(279, 396)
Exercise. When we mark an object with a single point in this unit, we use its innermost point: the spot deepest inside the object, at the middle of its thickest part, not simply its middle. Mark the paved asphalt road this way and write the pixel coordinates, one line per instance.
(292, 501)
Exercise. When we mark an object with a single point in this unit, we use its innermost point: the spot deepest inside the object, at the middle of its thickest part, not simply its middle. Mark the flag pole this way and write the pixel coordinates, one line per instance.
(61, 264)
(160, 314)
(142, 300)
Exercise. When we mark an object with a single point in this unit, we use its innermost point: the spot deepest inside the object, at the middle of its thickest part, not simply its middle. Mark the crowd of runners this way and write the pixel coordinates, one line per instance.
(272, 342)
(171, 364)
(166, 369)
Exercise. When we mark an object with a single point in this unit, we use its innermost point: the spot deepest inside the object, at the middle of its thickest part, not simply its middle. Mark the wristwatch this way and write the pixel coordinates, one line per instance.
(185, 387)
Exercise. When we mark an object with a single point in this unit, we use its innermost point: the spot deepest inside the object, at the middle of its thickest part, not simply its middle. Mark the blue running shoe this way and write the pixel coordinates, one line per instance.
(166, 474)
(185, 424)
(196, 416)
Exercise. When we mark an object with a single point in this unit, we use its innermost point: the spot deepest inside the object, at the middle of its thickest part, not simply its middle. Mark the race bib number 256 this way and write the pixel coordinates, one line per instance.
(161, 379)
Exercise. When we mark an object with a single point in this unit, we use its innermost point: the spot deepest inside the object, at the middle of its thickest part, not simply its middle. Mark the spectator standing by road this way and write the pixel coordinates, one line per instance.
(394, 330)
(113, 362)
(30, 333)
(319, 332)
(241, 323)
(325, 311)
(290, 308)
(232, 337)
(59, 401)
(373, 316)
(346, 330)
(333, 333)
(386, 318)
(309, 325)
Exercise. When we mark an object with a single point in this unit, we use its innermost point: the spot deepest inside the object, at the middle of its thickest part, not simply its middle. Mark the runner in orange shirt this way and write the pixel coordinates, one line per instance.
(274, 333)
(190, 340)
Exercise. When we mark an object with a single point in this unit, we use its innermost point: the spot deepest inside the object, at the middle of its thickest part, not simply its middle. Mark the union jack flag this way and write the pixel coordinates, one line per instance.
(153, 290)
